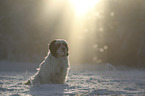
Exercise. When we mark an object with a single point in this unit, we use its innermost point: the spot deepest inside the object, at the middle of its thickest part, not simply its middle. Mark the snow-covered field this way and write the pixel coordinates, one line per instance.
(79, 83)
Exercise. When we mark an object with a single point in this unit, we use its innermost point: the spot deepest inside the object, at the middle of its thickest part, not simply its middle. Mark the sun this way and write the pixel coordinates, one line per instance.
(83, 6)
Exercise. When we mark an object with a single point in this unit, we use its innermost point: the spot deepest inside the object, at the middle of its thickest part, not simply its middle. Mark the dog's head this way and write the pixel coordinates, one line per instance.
(59, 48)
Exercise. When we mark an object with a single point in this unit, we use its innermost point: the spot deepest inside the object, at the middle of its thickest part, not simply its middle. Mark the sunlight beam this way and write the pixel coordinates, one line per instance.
(82, 29)
(75, 21)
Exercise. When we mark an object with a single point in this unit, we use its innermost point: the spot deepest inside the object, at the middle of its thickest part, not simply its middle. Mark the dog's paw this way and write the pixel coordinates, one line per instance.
(28, 82)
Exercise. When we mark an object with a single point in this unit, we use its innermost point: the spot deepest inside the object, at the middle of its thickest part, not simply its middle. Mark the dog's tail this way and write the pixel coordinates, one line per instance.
(28, 82)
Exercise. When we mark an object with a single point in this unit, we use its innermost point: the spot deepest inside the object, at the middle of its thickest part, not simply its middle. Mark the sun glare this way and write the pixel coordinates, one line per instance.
(83, 6)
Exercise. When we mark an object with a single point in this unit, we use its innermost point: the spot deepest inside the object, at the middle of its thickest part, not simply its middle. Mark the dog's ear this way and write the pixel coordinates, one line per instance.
(52, 48)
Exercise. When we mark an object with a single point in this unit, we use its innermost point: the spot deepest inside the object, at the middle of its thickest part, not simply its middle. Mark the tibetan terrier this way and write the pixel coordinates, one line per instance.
(55, 67)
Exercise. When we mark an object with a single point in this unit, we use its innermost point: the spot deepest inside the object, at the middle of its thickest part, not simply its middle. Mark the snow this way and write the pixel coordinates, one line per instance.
(79, 82)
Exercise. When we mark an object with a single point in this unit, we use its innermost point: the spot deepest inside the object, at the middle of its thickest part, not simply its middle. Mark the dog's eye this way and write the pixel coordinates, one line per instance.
(64, 44)
(58, 45)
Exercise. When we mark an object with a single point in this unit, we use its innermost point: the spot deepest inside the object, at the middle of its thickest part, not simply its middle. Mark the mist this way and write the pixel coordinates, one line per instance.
(106, 41)
(113, 32)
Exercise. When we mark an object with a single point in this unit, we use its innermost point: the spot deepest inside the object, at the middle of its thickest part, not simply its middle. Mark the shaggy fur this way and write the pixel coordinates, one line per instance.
(54, 68)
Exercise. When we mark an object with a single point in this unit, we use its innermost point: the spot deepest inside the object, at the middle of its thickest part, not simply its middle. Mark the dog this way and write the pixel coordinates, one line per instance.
(55, 67)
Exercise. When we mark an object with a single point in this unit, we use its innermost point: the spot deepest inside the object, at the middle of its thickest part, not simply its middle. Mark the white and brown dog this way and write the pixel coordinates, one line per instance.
(55, 67)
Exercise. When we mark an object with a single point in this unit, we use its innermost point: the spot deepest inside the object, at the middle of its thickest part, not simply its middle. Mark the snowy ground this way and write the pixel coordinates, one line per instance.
(79, 83)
